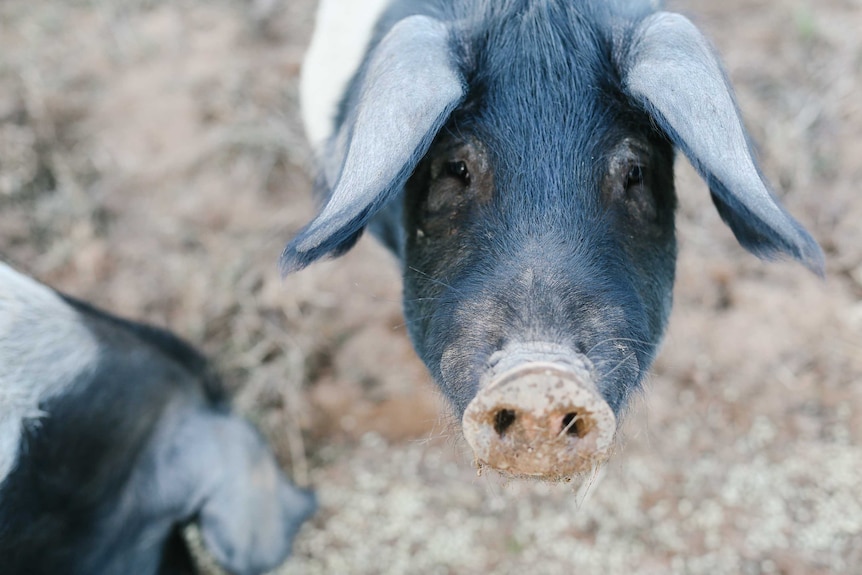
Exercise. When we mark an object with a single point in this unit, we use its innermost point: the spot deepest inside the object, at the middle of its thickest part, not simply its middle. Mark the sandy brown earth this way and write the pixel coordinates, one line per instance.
(151, 160)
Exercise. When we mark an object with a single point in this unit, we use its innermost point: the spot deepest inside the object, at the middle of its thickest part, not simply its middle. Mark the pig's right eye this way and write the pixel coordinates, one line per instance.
(458, 169)
(452, 182)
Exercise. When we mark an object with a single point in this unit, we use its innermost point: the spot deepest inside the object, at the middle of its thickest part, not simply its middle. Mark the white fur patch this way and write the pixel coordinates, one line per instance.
(43, 346)
(341, 34)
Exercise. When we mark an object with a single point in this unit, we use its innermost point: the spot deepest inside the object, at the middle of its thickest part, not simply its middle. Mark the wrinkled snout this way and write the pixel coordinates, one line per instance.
(543, 420)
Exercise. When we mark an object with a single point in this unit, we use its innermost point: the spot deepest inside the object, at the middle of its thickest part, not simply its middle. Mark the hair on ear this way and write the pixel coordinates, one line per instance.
(338, 243)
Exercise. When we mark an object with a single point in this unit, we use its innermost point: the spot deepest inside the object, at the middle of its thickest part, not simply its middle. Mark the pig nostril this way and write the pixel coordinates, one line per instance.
(574, 425)
(503, 419)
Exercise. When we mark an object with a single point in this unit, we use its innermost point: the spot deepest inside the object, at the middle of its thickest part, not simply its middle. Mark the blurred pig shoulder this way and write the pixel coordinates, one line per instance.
(44, 348)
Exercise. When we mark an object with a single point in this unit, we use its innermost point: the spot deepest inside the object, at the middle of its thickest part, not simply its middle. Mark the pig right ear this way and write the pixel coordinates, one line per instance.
(669, 69)
(405, 92)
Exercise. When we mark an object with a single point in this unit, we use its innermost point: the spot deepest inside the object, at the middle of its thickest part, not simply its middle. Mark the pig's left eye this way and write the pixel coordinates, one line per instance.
(638, 185)
(638, 195)
(458, 169)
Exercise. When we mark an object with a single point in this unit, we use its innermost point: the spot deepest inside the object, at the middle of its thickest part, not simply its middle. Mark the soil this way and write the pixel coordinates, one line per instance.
(152, 162)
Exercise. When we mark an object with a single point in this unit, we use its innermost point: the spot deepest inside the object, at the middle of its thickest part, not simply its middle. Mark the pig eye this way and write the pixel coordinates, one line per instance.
(635, 177)
(458, 169)
(639, 198)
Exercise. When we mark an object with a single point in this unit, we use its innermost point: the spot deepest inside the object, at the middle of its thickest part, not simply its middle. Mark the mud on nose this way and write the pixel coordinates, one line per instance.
(540, 420)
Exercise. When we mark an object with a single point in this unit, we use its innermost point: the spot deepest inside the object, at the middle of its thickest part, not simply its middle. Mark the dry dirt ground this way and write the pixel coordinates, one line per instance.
(151, 160)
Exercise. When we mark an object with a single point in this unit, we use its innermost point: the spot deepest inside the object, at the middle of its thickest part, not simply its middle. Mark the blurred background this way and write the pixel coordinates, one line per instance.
(152, 162)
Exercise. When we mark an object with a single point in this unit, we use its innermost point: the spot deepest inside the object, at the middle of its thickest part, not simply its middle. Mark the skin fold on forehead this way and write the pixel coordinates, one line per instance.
(44, 346)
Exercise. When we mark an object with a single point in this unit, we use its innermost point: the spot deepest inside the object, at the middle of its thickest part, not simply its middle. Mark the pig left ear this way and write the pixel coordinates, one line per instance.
(406, 91)
(669, 69)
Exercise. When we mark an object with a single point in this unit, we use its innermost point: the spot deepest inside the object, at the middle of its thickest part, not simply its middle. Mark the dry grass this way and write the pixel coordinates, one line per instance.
(151, 161)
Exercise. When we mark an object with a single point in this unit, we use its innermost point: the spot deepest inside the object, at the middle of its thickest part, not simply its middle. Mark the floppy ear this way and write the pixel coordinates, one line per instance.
(669, 69)
(405, 93)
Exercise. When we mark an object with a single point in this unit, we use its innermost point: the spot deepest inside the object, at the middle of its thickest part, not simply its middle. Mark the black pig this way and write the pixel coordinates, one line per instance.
(517, 157)
(113, 436)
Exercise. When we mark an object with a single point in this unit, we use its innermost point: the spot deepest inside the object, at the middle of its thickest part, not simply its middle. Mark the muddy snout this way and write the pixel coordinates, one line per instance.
(541, 420)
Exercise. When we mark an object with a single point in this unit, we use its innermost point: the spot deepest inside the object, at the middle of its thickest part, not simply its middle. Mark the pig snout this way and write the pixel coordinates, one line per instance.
(540, 419)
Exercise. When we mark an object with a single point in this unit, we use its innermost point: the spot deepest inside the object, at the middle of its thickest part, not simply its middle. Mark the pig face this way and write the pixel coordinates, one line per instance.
(518, 158)
(506, 248)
